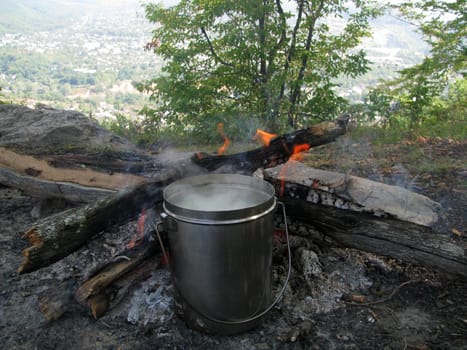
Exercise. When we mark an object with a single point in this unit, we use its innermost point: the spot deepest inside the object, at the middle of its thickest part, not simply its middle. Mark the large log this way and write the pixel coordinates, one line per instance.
(369, 216)
(37, 187)
(30, 168)
(403, 240)
(353, 193)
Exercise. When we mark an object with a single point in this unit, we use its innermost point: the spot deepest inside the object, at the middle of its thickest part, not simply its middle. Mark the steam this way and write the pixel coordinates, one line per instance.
(213, 197)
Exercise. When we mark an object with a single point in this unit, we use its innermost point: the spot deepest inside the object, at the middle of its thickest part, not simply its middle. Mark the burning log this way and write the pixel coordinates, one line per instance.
(277, 150)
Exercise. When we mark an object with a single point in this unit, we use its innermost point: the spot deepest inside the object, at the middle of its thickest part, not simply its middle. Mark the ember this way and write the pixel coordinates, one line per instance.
(139, 236)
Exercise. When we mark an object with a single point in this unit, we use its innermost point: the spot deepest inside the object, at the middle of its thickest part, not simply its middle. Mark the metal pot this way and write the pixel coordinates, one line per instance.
(220, 230)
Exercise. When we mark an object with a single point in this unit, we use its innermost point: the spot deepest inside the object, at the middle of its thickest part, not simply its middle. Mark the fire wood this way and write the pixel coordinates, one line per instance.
(46, 145)
(57, 236)
(368, 216)
(403, 240)
(114, 270)
(279, 149)
(30, 169)
(115, 278)
(34, 186)
(352, 193)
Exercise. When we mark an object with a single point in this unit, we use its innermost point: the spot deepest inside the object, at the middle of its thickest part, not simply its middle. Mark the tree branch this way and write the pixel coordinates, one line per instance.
(211, 48)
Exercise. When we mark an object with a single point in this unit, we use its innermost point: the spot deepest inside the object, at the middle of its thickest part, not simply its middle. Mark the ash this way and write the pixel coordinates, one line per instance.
(336, 299)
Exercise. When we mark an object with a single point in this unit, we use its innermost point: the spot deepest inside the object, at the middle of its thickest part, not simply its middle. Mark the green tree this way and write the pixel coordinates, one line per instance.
(240, 61)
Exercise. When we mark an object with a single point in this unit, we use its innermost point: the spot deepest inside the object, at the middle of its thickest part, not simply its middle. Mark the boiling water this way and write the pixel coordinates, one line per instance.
(216, 197)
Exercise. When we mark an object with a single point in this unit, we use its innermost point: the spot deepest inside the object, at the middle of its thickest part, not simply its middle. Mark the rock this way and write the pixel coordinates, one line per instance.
(47, 130)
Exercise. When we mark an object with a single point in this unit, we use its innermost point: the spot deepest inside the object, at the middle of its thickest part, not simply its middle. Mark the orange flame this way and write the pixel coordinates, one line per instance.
(297, 151)
(223, 148)
(264, 137)
(296, 155)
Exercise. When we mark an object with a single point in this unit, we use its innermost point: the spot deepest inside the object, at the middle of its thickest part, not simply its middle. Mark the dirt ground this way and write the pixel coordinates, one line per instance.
(352, 300)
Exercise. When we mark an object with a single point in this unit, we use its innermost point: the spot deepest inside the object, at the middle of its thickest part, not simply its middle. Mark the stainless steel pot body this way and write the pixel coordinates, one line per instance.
(221, 258)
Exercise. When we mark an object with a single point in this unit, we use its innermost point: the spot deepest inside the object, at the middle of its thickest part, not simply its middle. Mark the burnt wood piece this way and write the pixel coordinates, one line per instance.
(279, 149)
(110, 284)
(403, 240)
(109, 297)
(59, 235)
(55, 300)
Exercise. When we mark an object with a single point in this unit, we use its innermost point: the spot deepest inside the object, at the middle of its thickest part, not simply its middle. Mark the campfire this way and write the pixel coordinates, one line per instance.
(120, 251)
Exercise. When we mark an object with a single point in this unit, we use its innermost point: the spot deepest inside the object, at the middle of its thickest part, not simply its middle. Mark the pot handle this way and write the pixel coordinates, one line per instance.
(274, 303)
(158, 224)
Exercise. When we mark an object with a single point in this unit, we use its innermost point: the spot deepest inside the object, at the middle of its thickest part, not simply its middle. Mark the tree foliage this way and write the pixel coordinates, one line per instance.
(255, 61)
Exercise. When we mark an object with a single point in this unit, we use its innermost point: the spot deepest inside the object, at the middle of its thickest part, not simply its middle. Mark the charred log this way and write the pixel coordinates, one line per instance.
(358, 213)
(57, 236)
(403, 240)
